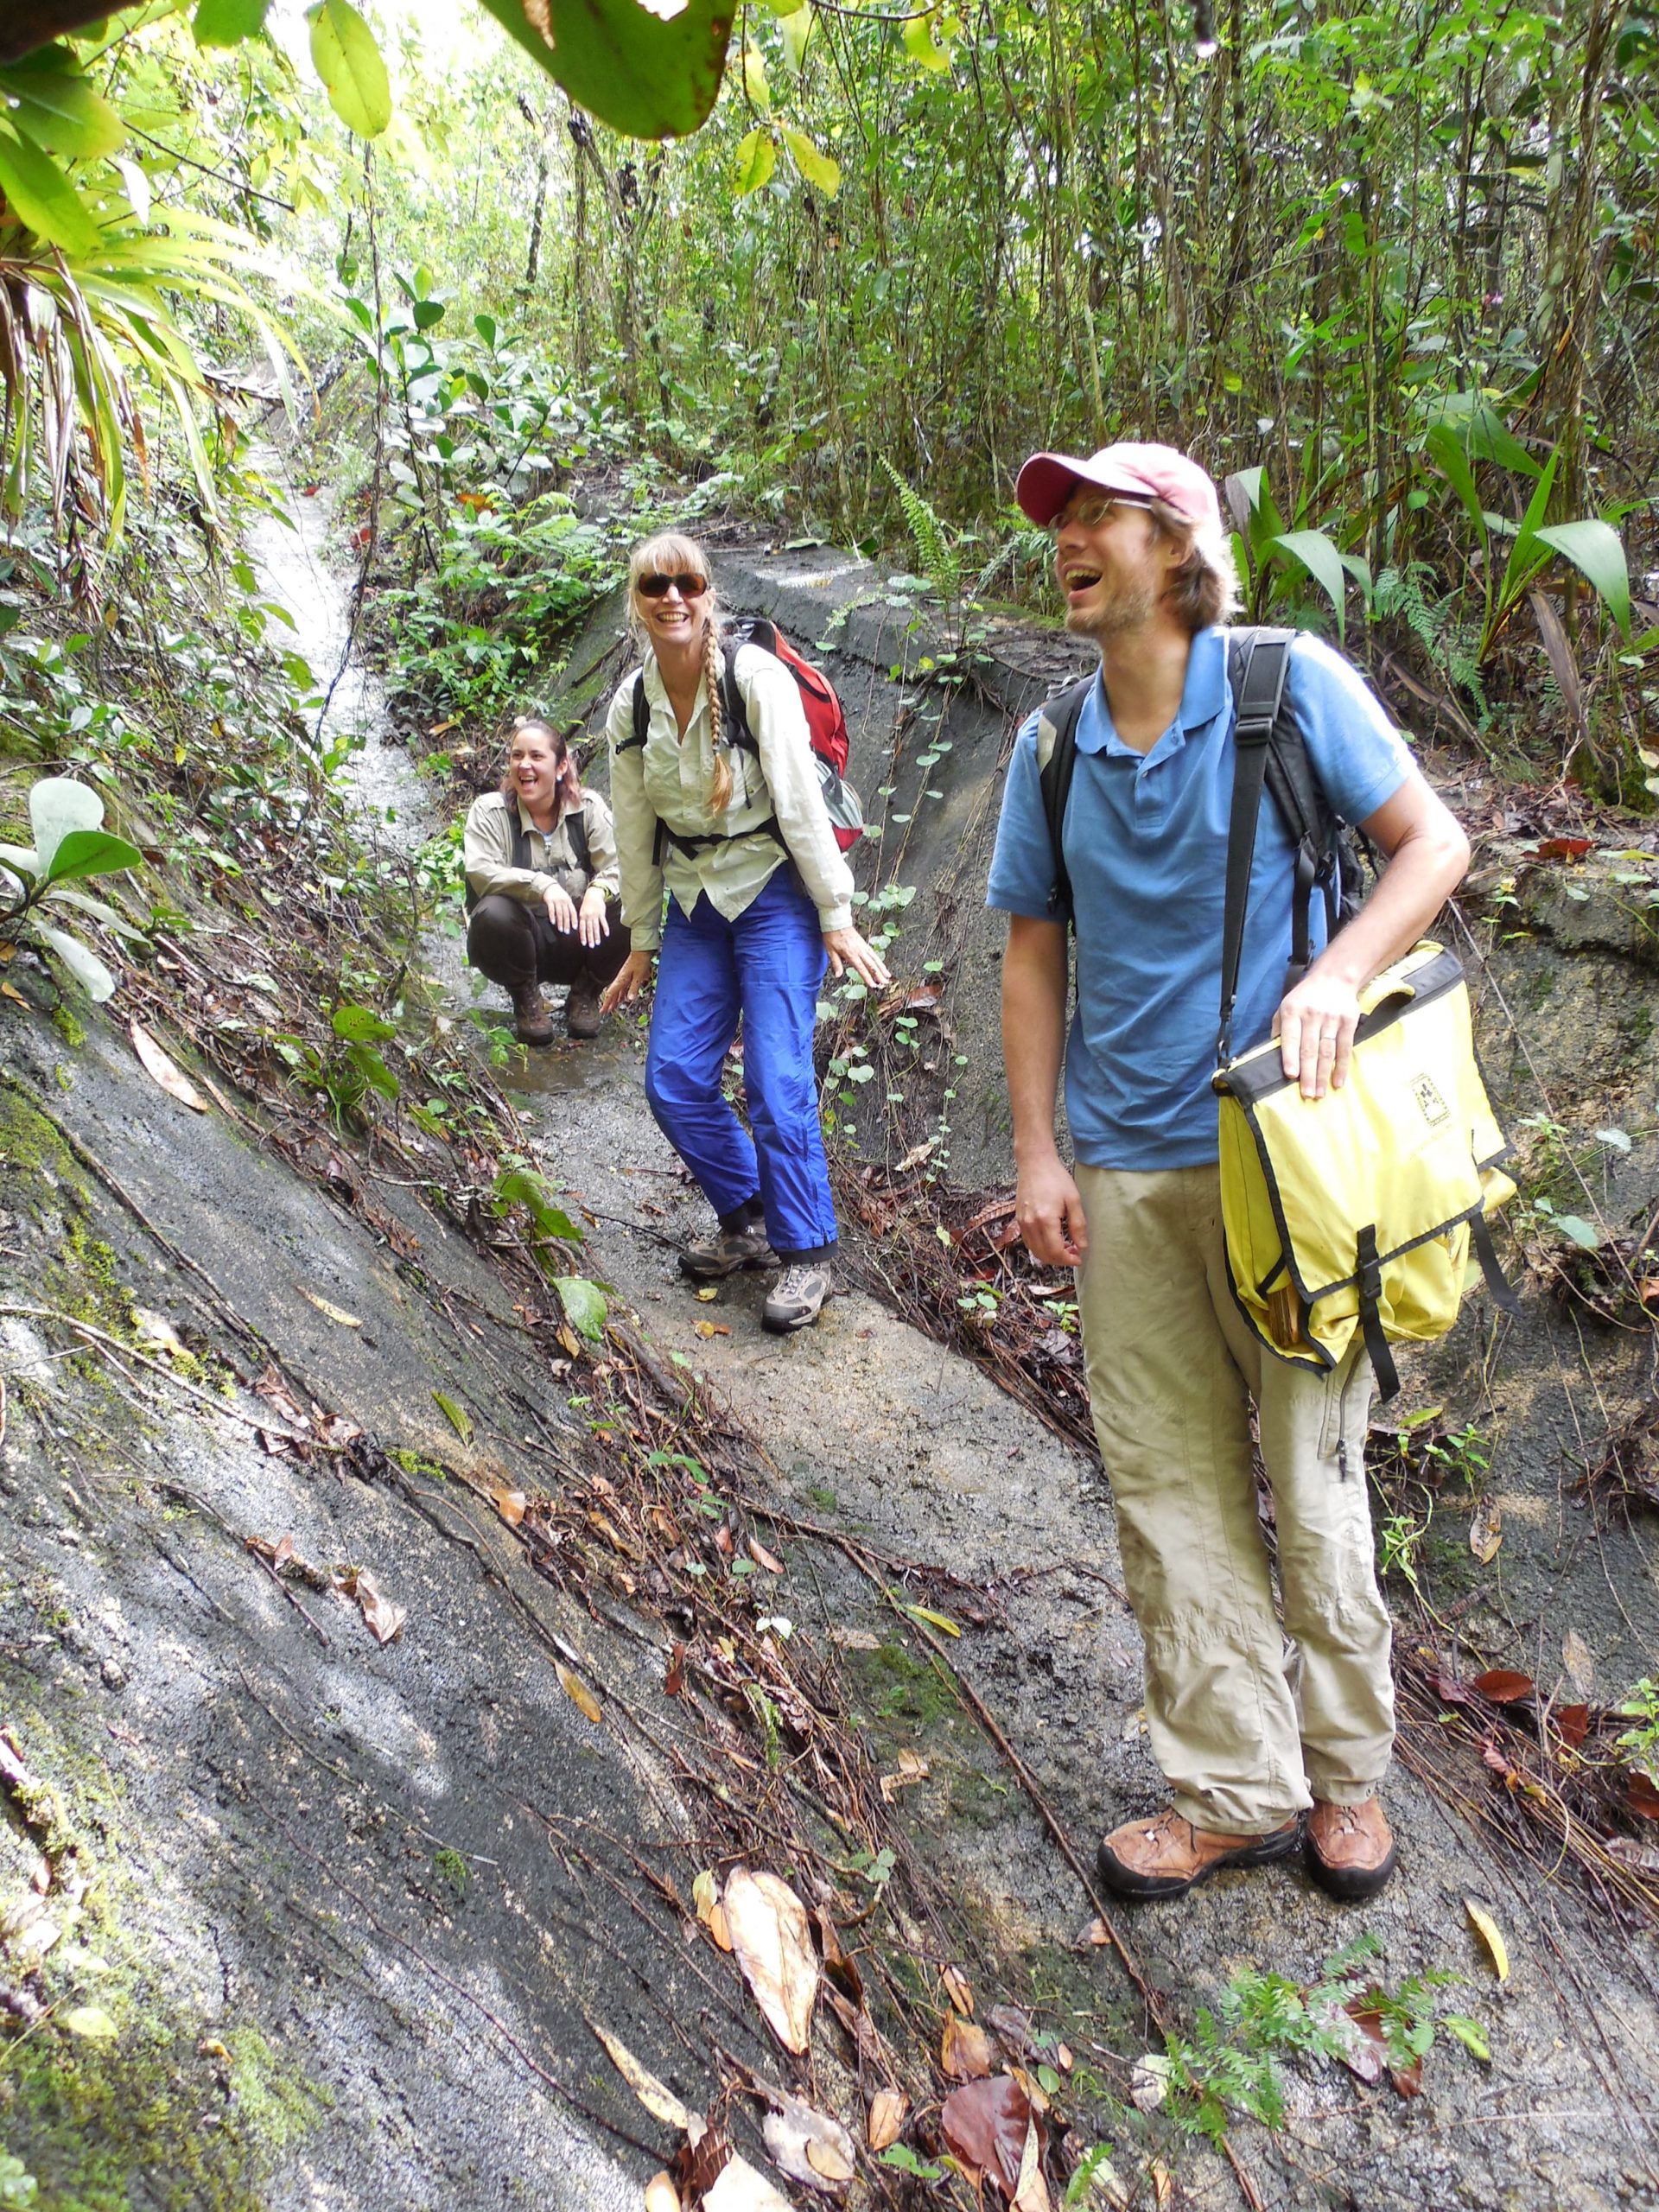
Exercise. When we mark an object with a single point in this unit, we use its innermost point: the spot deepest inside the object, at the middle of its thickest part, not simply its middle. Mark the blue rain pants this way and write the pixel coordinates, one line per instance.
(766, 966)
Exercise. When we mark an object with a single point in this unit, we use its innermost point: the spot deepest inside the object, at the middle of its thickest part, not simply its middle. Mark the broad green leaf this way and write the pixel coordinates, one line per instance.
(58, 110)
(84, 903)
(457, 1416)
(922, 44)
(90, 2022)
(91, 852)
(784, 8)
(796, 29)
(227, 22)
(1574, 1226)
(1596, 549)
(485, 326)
(1471, 2034)
(346, 57)
(57, 804)
(83, 964)
(42, 196)
(427, 313)
(820, 170)
(652, 76)
(524, 1187)
(754, 79)
(584, 1304)
(359, 1026)
(757, 157)
(1526, 556)
(1491, 438)
(374, 1069)
(1323, 563)
(22, 856)
(1453, 462)
(138, 195)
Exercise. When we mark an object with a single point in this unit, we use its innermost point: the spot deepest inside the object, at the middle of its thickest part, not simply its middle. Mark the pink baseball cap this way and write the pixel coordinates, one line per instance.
(1133, 472)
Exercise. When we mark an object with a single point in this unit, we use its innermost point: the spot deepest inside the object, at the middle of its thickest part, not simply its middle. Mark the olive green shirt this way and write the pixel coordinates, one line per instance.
(667, 779)
(486, 852)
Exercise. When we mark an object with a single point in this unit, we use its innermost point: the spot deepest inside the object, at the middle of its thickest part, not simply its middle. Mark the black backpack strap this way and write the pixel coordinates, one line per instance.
(1257, 669)
(1062, 715)
(1371, 1315)
(641, 725)
(579, 845)
(733, 714)
(520, 834)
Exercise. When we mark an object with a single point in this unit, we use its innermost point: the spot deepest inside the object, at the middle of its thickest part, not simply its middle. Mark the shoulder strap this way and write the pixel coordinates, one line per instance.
(520, 834)
(578, 822)
(641, 724)
(1257, 663)
(735, 713)
(1061, 715)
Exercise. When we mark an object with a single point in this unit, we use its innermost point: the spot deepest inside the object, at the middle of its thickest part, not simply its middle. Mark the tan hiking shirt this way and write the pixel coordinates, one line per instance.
(486, 850)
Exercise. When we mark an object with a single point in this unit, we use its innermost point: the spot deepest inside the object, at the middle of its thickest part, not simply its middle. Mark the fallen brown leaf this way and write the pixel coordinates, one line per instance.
(1163, 2188)
(956, 1982)
(965, 2052)
(1486, 1532)
(772, 1945)
(837, 1964)
(173, 1080)
(674, 1680)
(888, 2111)
(1502, 1686)
(1031, 2190)
(657, 2099)
(854, 1639)
(1098, 1933)
(510, 1504)
(578, 1693)
(809, 2146)
(1575, 1657)
(384, 1620)
(336, 1313)
(762, 1557)
(740, 2188)
(985, 2127)
(712, 1329)
(1573, 1722)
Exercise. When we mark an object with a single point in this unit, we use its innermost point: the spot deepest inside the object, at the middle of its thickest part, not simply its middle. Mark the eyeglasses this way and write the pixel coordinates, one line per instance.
(1091, 513)
(688, 585)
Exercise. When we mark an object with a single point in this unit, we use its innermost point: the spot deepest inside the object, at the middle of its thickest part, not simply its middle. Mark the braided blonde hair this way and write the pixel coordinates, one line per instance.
(668, 552)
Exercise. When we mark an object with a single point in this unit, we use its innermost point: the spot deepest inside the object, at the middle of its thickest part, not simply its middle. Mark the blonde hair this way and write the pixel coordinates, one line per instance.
(1203, 589)
(668, 552)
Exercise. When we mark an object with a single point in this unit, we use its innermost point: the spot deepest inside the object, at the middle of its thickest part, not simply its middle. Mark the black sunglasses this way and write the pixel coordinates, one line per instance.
(689, 586)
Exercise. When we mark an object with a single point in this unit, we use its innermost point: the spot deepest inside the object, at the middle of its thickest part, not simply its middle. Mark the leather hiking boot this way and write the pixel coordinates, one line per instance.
(581, 1013)
(1350, 1853)
(726, 1251)
(797, 1297)
(531, 1022)
(1162, 1857)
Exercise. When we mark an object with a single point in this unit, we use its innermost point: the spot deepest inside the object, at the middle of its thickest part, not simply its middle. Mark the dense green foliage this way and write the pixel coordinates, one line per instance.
(1389, 272)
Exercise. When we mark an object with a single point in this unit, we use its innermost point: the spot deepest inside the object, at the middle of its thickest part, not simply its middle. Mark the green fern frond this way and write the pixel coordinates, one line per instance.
(941, 561)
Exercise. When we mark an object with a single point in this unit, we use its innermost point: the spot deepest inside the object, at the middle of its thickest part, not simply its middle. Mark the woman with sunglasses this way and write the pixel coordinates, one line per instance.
(540, 856)
(758, 896)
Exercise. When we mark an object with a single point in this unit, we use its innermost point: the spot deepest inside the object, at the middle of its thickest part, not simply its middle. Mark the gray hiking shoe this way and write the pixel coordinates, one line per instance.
(797, 1297)
(726, 1251)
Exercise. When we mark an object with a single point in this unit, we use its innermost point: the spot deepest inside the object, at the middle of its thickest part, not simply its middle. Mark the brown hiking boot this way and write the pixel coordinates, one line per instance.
(1161, 1857)
(581, 1013)
(1350, 1853)
(531, 1022)
(707, 1258)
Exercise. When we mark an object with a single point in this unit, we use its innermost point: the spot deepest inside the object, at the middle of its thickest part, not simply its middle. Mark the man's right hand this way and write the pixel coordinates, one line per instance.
(1048, 1207)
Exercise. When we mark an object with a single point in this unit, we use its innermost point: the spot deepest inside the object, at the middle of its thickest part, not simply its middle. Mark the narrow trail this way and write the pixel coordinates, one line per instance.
(424, 1870)
(874, 1430)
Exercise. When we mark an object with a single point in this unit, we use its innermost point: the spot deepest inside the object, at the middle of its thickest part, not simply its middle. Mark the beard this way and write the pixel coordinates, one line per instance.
(1128, 605)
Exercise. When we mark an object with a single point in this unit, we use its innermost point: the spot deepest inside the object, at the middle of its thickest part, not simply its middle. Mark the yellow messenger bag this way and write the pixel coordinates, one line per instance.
(1366, 1208)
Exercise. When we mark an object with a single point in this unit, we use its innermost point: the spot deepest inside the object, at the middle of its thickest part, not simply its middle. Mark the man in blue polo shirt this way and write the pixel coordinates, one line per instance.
(1251, 1736)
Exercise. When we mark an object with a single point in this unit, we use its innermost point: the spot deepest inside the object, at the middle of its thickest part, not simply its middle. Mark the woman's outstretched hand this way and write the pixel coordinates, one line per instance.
(631, 979)
(847, 948)
(561, 908)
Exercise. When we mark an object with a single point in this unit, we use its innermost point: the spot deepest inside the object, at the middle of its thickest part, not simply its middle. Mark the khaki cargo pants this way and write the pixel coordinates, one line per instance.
(1241, 1727)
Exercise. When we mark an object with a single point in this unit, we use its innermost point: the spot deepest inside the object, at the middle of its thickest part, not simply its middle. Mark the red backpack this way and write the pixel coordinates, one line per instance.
(826, 725)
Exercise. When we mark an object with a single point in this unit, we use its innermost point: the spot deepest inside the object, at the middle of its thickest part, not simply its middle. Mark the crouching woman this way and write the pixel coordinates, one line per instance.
(540, 856)
(759, 895)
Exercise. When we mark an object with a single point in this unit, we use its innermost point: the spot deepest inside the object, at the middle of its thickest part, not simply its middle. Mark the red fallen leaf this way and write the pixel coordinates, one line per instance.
(1572, 1721)
(1503, 1688)
(984, 2126)
(1648, 1290)
(762, 1557)
(1565, 848)
(1495, 1759)
(1408, 2079)
(966, 2053)
(674, 1681)
(1006, 1234)
(1451, 1690)
(837, 1962)
(1642, 1797)
(723, 1541)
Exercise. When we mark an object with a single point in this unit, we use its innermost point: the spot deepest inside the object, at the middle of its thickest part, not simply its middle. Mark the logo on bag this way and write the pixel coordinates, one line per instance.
(1434, 1108)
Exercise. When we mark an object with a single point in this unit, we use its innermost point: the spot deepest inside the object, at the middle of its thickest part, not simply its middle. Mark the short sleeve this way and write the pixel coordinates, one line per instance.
(1360, 758)
(1022, 864)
